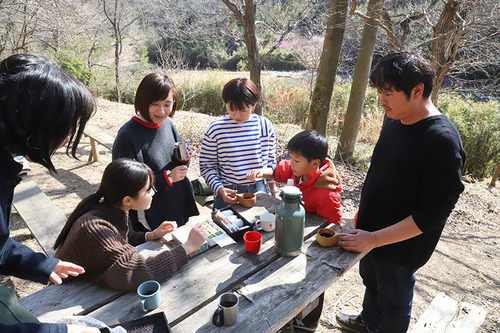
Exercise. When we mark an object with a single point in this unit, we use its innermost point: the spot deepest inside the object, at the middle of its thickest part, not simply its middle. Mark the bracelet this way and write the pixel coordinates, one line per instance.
(274, 190)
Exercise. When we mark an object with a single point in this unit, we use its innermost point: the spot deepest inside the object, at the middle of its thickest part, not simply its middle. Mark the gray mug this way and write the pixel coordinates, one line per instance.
(227, 312)
(150, 295)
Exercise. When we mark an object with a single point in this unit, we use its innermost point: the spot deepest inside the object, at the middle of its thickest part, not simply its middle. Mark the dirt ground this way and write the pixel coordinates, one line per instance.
(465, 265)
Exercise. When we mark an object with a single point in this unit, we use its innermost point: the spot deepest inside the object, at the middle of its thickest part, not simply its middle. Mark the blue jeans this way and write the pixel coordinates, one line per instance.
(252, 188)
(388, 296)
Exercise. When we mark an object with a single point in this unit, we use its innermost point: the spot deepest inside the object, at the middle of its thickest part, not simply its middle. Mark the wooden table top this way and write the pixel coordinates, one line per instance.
(272, 289)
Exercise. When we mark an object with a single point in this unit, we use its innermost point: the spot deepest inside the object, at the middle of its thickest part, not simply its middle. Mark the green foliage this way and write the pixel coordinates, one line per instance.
(286, 104)
(76, 67)
(201, 91)
(479, 127)
(283, 60)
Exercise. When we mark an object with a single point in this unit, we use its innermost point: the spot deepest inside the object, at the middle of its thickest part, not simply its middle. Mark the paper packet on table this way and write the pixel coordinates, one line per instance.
(215, 235)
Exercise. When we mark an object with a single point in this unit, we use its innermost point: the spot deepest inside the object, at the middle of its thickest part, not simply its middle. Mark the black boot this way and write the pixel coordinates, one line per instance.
(351, 323)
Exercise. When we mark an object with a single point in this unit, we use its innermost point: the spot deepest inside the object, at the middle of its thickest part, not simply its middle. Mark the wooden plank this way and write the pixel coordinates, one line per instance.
(78, 296)
(195, 285)
(273, 296)
(96, 135)
(43, 218)
(206, 276)
(101, 137)
(445, 315)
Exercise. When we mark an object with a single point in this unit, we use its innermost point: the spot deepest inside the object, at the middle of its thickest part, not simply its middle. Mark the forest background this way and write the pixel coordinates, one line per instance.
(326, 48)
(311, 59)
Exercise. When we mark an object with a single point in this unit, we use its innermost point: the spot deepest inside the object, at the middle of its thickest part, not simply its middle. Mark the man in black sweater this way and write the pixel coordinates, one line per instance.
(410, 190)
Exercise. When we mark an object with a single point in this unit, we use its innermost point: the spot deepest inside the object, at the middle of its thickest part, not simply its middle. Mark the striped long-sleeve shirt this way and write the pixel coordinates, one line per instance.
(229, 150)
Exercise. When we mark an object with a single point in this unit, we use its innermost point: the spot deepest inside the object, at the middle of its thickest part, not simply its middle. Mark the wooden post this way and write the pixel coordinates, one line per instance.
(495, 175)
(94, 154)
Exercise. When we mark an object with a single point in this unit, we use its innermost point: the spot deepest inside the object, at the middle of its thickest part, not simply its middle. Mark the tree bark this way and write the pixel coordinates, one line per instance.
(449, 32)
(347, 141)
(327, 69)
(254, 59)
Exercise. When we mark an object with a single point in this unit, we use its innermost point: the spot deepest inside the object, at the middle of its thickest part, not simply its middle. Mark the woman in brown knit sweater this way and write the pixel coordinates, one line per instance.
(97, 234)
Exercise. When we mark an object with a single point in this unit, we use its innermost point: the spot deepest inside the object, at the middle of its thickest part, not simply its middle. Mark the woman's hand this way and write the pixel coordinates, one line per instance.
(82, 329)
(358, 240)
(164, 228)
(178, 173)
(196, 239)
(63, 270)
(255, 173)
(190, 152)
(228, 195)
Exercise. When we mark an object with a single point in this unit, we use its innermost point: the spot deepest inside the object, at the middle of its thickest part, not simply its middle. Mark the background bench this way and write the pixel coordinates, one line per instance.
(43, 218)
(445, 315)
(97, 136)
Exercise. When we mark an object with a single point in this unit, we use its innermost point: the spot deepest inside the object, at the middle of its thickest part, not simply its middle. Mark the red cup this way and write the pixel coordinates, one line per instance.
(253, 240)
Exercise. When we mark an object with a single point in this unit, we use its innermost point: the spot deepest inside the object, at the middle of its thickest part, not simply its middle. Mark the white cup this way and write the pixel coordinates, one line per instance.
(266, 222)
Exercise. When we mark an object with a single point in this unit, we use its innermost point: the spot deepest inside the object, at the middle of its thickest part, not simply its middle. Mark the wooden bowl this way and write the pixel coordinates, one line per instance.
(246, 199)
(328, 237)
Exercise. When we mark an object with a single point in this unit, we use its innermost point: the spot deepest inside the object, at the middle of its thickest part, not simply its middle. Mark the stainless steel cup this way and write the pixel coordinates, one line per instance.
(181, 149)
(227, 312)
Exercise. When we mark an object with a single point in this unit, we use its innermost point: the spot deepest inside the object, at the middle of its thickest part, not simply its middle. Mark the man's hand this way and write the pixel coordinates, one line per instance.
(358, 241)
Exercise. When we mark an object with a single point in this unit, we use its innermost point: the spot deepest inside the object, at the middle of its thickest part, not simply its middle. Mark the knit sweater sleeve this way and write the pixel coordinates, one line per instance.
(127, 268)
(131, 269)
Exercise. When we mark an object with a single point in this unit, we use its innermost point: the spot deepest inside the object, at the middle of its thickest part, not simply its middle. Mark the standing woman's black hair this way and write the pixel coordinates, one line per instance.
(122, 177)
(40, 107)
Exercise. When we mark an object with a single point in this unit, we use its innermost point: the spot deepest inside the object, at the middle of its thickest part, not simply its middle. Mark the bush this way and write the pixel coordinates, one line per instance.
(479, 127)
(201, 91)
(76, 67)
(284, 104)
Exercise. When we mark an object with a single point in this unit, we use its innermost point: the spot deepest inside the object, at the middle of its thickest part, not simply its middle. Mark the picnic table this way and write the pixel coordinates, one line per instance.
(272, 289)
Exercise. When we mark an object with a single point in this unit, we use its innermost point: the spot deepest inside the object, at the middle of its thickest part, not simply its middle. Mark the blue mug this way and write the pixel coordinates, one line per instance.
(150, 295)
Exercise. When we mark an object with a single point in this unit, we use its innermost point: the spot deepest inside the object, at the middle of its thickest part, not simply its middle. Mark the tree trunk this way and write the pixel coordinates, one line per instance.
(347, 141)
(327, 69)
(449, 32)
(254, 60)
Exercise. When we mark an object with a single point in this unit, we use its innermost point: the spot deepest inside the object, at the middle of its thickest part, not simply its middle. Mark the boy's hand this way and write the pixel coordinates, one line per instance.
(228, 195)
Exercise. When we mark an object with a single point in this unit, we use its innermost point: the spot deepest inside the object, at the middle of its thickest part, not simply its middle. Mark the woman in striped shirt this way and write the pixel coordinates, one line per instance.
(237, 143)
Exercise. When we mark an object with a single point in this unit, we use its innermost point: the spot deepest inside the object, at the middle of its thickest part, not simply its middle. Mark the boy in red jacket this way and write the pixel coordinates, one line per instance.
(316, 176)
(313, 173)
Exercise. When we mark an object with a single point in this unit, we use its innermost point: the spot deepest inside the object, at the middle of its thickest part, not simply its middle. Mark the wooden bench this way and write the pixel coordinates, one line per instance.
(445, 315)
(43, 218)
(97, 136)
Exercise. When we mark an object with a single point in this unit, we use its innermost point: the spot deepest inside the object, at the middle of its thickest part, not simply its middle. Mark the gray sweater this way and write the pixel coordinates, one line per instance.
(155, 147)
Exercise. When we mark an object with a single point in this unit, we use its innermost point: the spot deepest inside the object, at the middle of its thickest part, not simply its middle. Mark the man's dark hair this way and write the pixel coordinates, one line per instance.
(154, 87)
(309, 144)
(240, 92)
(40, 107)
(402, 71)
